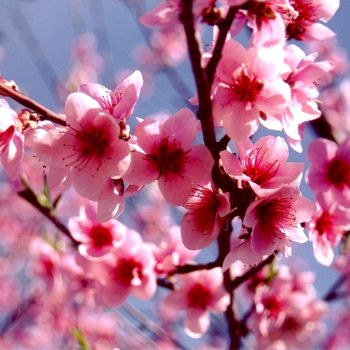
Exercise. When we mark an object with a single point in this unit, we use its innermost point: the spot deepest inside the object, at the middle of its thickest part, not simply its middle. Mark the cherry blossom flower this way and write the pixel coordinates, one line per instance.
(302, 76)
(130, 269)
(97, 239)
(327, 227)
(121, 101)
(11, 139)
(198, 293)
(46, 261)
(246, 88)
(171, 252)
(241, 250)
(263, 165)
(89, 148)
(202, 223)
(277, 218)
(288, 312)
(167, 155)
(336, 109)
(304, 25)
(330, 169)
(166, 14)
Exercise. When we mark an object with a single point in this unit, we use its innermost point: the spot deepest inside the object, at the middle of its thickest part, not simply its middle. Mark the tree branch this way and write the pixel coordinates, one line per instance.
(253, 271)
(18, 313)
(44, 113)
(181, 269)
(333, 292)
(28, 195)
(224, 28)
(202, 84)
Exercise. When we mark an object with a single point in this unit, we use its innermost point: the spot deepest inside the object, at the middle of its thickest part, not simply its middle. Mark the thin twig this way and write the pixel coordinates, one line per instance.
(28, 195)
(224, 28)
(165, 283)
(333, 292)
(43, 112)
(181, 269)
(252, 272)
(202, 84)
(17, 314)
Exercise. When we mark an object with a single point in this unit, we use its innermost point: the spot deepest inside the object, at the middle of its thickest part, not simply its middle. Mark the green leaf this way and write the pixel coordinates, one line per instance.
(81, 340)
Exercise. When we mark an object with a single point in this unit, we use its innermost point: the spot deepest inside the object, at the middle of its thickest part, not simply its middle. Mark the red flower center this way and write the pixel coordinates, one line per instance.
(307, 15)
(278, 212)
(324, 223)
(101, 236)
(88, 143)
(246, 86)
(169, 157)
(338, 173)
(273, 305)
(127, 270)
(199, 296)
(257, 169)
(203, 206)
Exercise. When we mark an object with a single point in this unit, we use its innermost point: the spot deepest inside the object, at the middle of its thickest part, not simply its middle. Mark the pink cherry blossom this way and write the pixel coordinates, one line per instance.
(202, 223)
(327, 227)
(171, 252)
(130, 269)
(302, 76)
(330, 169)
(288, 312)
(121, 101)
(246, 88)
(241, 250)
(336, 109)
(198, 293)
(11, 139)
(166, 14)
(277, 218)
(167, 155)
(264, 166)
(89, 148)
(97, 239)
(45, 261)
(305, 25)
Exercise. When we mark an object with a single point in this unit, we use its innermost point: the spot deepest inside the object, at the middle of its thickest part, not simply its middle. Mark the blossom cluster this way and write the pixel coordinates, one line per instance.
(139, 197)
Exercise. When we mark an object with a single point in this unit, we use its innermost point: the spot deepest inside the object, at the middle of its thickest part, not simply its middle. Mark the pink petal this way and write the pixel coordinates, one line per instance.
(231, 163)
(182, 127)
(321, 151)
(141, 171)
(196, 322)
(77, 105)
(199, 165)
(193, 239)
(175, 189)
(148, 134)
(296, 234)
